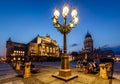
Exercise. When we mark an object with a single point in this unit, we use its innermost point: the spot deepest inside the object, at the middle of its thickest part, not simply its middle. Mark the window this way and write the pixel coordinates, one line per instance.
(47, 49)
(51, 49)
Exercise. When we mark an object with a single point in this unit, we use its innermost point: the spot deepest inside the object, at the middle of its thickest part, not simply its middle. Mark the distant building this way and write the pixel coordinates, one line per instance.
(39, 47)
(91, 53)
(117, 58)
(2, 59)
(107, 55)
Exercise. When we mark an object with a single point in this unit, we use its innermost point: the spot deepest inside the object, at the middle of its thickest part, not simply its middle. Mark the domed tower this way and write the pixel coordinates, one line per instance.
(88, 42)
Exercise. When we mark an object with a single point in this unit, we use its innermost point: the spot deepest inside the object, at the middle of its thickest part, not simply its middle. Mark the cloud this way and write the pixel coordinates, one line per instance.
(105, 46)
(116, 49)
(74, 45)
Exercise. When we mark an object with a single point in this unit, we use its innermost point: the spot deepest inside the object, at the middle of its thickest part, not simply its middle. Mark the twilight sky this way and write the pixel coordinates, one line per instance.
(22, 20)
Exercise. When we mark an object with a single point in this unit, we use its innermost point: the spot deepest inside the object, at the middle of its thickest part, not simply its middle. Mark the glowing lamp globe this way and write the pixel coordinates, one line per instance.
(65, 11)
(74, 13)
(56, 13)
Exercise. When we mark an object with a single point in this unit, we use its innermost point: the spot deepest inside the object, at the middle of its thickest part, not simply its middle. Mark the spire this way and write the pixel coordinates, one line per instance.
(88, 35)
(9, 39)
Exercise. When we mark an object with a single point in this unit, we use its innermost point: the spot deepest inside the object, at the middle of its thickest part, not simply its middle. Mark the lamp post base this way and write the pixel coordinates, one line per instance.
(65, 74)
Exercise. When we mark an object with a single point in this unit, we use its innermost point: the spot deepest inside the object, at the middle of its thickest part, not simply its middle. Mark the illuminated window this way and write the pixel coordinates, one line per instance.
(18, 58)
(47, 49)
(14, 58)
(51, 49)
(13, 54)
(14, 51)
(43, 46)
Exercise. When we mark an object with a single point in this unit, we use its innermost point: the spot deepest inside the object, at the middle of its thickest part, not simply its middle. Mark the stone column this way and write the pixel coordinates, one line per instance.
(103, 71)
(18, 65)
(27, 72)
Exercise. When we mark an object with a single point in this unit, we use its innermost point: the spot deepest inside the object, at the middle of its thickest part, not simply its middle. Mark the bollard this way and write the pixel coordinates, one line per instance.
(109, 66)
(27, 72)
(109, 69)
(103, 71)
(18, 65)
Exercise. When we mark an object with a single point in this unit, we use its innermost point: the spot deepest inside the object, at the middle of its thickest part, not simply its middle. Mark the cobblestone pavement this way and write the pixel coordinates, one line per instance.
(45, 77)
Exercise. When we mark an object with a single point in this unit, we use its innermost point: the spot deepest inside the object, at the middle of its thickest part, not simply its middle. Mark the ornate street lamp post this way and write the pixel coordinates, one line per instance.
(65, 72)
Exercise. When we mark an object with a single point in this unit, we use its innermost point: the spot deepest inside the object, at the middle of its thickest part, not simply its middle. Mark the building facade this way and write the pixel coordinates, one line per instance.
(92, 54)
(88, 50)
(39, 47)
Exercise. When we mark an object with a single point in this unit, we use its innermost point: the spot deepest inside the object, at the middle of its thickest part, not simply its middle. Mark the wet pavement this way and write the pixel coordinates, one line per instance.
(44, 76)
(6, 71)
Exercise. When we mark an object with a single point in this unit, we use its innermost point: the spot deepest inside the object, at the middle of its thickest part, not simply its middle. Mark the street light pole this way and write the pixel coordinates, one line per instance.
(65, 72)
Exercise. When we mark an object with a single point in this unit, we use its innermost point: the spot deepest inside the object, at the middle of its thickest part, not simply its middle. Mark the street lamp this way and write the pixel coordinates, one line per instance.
(65, 72)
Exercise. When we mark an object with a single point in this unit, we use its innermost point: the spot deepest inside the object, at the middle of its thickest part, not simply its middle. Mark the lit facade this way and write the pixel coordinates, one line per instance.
(91, 53)
(43, 46)
(14, 50)
(38, 47)
(88, 48)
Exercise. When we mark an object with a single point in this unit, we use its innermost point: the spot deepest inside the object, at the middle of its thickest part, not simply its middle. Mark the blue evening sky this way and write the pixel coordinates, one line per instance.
(22, 20)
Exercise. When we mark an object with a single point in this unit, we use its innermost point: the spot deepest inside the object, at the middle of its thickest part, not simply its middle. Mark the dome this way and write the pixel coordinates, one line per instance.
(88, 35)
(88, 39)
(88, 42)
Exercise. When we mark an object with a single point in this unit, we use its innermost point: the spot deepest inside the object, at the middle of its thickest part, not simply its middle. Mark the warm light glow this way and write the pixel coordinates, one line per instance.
(14, 58)
(56, 13)
(58, 25)
(75, 20)
(74, 13)
(18, 58)
(54, 20)
(65, 11)
(71, 24)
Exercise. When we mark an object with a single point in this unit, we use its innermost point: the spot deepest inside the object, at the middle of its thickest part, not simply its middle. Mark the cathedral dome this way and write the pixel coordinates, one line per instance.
(88, 35)
(88, 42)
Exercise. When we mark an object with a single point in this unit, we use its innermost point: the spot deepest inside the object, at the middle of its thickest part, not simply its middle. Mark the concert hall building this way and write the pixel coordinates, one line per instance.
(40, 46)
